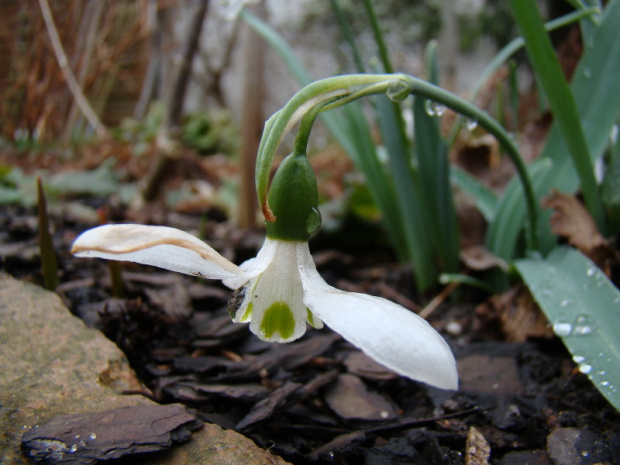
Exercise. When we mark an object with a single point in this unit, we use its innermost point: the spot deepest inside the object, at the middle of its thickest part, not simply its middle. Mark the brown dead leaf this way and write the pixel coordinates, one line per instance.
(573, 221)
(477, 447)
(479, 258)
(350, 399)
(519, 315)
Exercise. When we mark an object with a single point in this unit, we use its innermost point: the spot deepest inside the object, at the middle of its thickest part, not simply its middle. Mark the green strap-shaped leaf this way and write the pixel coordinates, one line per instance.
(561, 99)
(583, 307)
(596, 89)
(486, 200)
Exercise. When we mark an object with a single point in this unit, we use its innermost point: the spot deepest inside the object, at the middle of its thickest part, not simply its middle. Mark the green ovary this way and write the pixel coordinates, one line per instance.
(278, 318)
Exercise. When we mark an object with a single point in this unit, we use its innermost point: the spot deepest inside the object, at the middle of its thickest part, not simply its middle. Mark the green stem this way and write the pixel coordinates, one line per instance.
(305, 127)
(277, 126)
(336, 91)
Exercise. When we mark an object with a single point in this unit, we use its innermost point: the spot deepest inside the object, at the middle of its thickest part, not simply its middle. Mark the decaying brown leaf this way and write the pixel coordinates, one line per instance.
(477, 447)
(573, 221)
(519, 315)
(479, 258)
(350, 399)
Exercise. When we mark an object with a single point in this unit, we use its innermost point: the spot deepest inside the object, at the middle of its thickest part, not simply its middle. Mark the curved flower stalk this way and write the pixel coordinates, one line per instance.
(280, 291)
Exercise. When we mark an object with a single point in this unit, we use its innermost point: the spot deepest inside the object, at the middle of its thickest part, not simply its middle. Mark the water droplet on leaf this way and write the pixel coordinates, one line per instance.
(583, 325)
(471, 124)
(398, 90)
(562, 328)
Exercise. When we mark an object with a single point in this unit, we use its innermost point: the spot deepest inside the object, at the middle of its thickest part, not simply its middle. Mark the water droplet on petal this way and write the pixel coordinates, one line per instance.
(93, 436)
(591, 271)
(578, 358)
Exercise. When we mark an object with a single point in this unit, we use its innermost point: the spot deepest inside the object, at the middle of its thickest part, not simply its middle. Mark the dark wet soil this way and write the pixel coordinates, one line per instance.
(319, 400)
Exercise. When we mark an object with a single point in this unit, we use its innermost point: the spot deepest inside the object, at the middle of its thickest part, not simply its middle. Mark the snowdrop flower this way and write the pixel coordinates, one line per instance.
(280, 291)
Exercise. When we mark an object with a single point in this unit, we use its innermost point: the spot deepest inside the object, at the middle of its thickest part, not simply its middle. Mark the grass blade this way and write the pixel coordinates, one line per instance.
(561, 100)
(434, 175)
(486, 200)
(49, 265)
(414, 215)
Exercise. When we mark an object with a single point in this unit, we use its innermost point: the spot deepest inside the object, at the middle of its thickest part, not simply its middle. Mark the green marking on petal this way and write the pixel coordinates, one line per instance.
(310, 318)
(278, 318)
(247, 314)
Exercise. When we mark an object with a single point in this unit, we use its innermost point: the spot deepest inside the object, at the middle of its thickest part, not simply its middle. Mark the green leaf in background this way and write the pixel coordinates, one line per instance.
(583, 307)
(486, 200)
(596, 90)
(100, 182)
(510, 216)
(412, 210)
(436, 191)
(610, 188)
(549, 74)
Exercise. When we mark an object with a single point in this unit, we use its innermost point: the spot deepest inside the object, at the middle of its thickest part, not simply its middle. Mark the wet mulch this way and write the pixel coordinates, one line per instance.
(319, 400)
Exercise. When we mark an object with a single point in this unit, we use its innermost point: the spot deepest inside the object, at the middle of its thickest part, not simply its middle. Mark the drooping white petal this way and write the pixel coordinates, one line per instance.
(160, 246)
(387, 332)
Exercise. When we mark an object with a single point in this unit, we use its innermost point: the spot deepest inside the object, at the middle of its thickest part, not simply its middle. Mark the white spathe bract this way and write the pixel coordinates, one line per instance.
(283, 292)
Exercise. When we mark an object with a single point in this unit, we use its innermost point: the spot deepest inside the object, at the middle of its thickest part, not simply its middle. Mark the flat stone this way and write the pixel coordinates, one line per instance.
(577, 446)
(52, 364)
(530, 457)
(489, 374)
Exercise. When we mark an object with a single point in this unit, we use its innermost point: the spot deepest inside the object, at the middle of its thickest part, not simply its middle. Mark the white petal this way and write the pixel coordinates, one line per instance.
(387, 332)
(254, 266)
(277, 294)
(160, 246)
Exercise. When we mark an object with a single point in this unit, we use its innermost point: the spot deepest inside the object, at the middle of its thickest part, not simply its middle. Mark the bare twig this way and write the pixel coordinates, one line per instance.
(252, 123)
(89, 28)
(165, 143)
(187, 57)
(74, 87)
